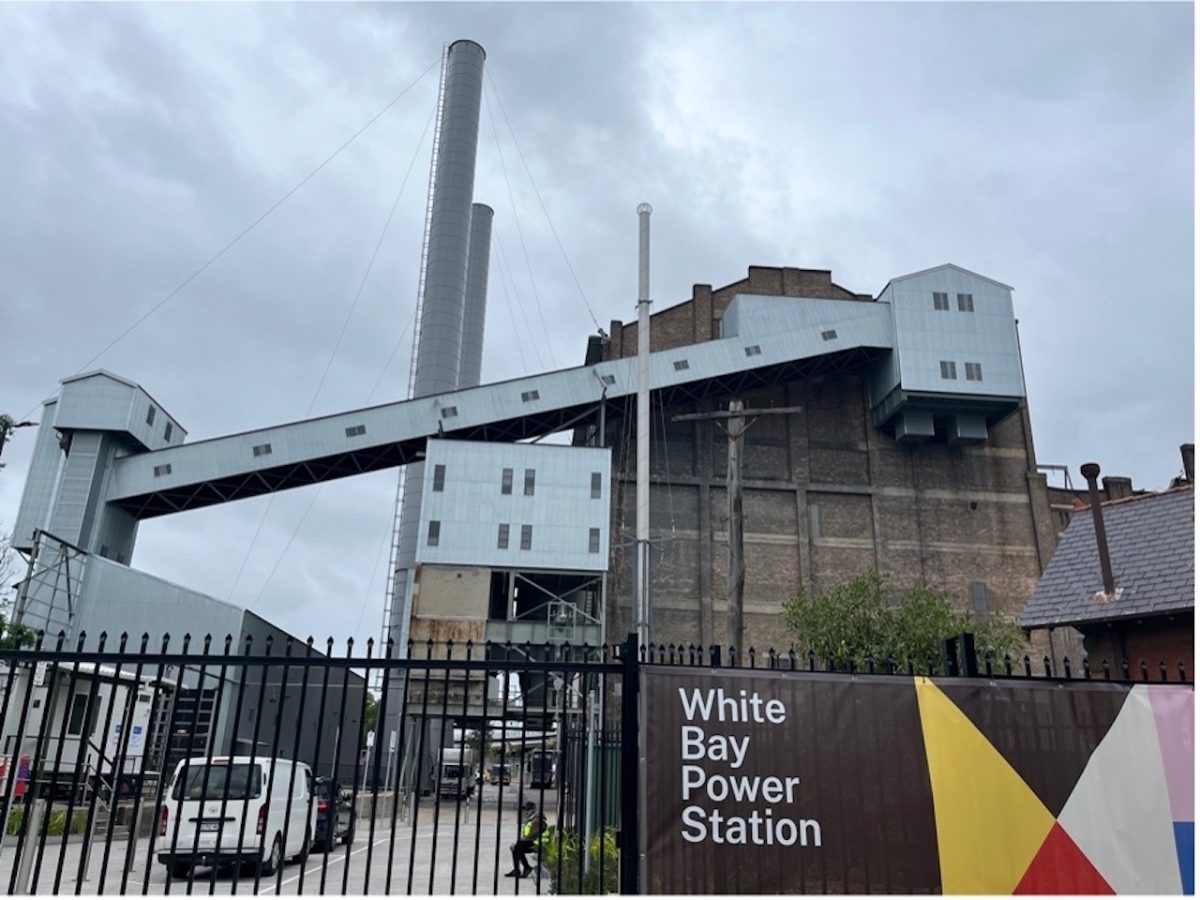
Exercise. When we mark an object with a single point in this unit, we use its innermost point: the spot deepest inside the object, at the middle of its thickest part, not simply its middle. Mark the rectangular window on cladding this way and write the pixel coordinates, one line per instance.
(596, 485)
(435, 532)
(593, 540)
(966, 303)
(449, 412)
(502, 536)
(526, 396)
(529, 476)
(974, 371)
(439, 477)
(356, 430)
(168, 431)
(150, 415)
(941, 300)
(753, 350)
(828, 335)
(162, 470)
(506, 481)
(262, 450)
(949, 370)
(526, 537)
(681, 364)
(608, 379)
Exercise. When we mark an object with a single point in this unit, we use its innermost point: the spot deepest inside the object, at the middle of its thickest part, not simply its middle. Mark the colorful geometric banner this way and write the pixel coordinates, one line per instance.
(795, 782)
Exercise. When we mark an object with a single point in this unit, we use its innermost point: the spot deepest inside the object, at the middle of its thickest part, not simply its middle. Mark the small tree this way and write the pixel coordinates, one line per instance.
(856, 621)
(11, 636)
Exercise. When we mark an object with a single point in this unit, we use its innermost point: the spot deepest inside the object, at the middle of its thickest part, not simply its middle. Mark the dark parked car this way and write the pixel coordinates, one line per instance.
(335, 815)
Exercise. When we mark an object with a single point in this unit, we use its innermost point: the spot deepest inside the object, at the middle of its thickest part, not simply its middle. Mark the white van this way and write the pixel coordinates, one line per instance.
(234, 811)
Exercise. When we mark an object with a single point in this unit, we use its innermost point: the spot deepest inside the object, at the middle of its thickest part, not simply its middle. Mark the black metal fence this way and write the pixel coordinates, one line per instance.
(132, 769)
(254, 767)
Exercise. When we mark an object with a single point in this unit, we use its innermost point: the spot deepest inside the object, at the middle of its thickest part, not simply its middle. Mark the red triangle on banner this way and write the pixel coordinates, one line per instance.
(1061, 868)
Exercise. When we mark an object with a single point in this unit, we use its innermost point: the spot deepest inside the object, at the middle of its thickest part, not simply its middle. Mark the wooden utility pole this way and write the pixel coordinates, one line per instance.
(734, 427)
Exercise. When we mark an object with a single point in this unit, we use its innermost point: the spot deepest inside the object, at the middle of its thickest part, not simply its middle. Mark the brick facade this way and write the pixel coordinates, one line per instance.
(827, 496)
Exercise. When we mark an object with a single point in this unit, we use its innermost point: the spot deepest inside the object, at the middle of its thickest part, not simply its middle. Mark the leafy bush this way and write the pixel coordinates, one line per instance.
(856, 622)
(52, 826)
(562, 859)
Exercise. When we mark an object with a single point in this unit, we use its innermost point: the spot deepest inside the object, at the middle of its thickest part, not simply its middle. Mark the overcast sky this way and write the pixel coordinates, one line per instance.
(1047, 146)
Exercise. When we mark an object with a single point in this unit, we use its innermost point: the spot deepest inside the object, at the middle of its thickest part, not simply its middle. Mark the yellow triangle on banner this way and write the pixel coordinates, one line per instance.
(990, 825)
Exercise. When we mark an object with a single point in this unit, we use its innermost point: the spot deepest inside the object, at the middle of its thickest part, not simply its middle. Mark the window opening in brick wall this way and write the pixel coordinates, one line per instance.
(529, 476)
(526, 537)
(979, 597)
(439, 477)
(593, 540)
(966, 303)
(949, 370)
(506, 481)
(974, 371)
(502, 536)
(941, 300)
(595, 485)
(435, 532)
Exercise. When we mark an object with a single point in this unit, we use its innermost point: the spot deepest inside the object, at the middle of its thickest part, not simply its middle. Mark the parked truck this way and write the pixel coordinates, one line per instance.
(456, 775)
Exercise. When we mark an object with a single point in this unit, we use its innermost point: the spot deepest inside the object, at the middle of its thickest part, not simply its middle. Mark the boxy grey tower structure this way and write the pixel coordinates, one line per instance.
(440, 335)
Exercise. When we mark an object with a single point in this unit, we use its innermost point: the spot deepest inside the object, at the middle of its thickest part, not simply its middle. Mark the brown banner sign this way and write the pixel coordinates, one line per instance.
(796, 782)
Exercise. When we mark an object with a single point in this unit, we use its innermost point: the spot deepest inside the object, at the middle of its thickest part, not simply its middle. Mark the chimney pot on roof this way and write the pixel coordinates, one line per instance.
(1188, 452)
(1091, 471)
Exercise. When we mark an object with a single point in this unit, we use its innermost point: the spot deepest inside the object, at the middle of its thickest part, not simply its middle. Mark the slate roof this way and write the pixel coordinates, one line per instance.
(1152, 547)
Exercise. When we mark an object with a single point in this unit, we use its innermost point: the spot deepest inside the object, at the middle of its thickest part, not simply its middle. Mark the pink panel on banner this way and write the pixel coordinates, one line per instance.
(1174, 716)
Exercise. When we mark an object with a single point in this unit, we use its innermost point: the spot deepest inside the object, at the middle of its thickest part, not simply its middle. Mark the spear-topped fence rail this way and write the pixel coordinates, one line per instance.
(257, 765)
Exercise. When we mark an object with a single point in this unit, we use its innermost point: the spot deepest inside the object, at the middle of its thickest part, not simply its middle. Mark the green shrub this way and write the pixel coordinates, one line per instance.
(57, 823)
(562, 860)
(52, 826)
(857, 623)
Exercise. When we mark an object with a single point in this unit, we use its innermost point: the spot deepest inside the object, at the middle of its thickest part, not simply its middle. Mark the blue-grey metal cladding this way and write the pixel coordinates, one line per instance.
(439, 345)
(470, 365)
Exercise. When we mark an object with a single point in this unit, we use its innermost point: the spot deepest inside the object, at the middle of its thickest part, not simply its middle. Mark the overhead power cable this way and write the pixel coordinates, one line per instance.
(370, 265)
(521, 234)
(545, 212)
(506, 269)
(274, 206)
(316, 393)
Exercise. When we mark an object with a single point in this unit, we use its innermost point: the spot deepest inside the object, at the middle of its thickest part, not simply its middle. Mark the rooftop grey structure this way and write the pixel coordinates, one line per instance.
(1151, 541)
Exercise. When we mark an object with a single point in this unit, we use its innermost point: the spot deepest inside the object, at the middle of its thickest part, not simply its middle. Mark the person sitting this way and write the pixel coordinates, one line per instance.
(531, 830)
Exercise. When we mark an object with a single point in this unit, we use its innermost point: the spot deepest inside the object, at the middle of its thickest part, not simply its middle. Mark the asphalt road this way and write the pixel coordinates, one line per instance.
(434, 861)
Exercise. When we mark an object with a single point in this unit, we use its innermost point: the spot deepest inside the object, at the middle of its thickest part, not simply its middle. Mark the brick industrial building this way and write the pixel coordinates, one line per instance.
(835, 490)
